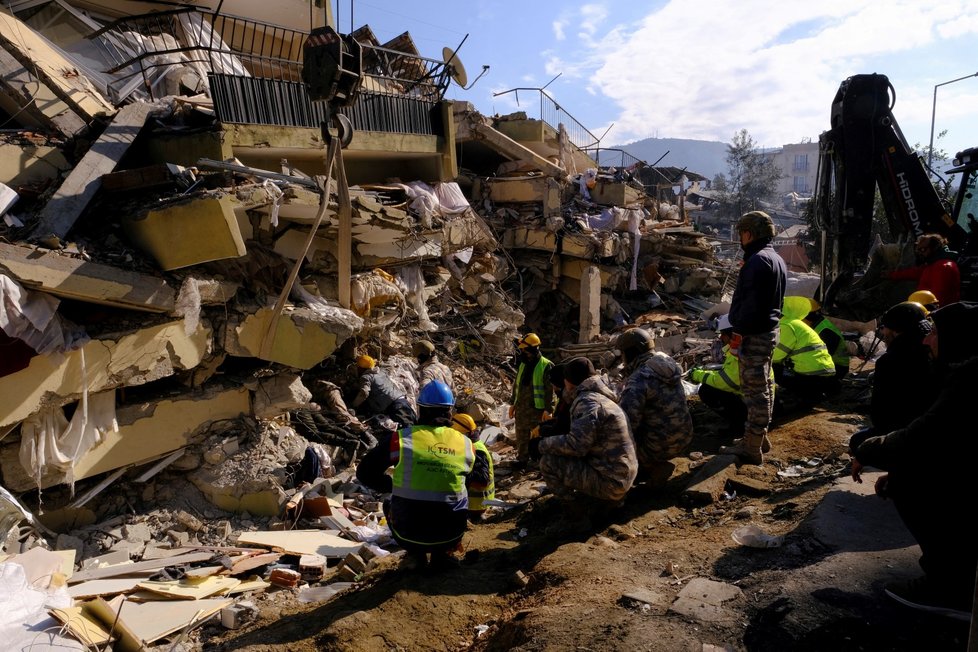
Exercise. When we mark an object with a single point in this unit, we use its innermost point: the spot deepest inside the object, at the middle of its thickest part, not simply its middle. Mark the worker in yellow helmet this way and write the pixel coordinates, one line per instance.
(926, 298)
(478, 493)
(379, 395)
(533, 395)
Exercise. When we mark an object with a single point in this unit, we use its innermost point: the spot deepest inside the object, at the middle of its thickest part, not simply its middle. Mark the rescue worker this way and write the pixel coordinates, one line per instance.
(533, 395)
(904, 384)
(597, 457)
(935, 271)
(434, 468)
(466, 425)
(754, 313)
(830, 334)
(379, 395)
(654, 401)
(930, 468)
(802, 364)
(720, 389)
(429, 368)
(925, 298)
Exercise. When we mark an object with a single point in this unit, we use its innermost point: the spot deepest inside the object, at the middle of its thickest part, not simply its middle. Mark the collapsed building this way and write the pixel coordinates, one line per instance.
(191, 261)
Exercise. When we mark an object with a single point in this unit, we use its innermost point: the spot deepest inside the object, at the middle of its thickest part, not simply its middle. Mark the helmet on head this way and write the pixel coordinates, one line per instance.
(422, 347)
(923, 297)
(464, 423)
(724, 323)
(436, 394)
(528, 340)
(366, 362)
(634, 342)
(757, 223)
(904, 316)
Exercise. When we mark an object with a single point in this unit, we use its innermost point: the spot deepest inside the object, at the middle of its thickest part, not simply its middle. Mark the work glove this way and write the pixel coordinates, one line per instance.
(535, 433)
(512, 411)
(697, 375)
(534, 449)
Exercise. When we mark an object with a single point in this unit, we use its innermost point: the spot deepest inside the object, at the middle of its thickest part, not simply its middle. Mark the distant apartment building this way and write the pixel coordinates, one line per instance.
(798, 164)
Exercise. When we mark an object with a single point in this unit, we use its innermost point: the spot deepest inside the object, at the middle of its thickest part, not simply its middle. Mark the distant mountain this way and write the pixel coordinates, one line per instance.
(706, 157)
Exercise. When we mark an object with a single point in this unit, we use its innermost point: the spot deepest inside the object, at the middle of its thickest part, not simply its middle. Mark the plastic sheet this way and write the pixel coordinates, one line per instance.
(33, 318)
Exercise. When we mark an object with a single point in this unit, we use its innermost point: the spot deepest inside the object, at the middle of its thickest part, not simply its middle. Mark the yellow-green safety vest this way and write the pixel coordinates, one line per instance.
(841, 354)
(476, 497)
(432, 464)
(539, 387)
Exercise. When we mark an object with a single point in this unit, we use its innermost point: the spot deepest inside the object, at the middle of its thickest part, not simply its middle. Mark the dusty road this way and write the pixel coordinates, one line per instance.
(656, 575)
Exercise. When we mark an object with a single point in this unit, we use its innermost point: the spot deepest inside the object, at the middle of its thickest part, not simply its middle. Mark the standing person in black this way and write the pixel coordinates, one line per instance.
(754, 314)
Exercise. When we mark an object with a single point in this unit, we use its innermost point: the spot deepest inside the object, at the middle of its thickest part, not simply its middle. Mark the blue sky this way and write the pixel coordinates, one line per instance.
(703, 70)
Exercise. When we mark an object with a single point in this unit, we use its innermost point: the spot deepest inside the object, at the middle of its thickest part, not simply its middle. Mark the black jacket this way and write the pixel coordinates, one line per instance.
(904, 384)
(759, 294)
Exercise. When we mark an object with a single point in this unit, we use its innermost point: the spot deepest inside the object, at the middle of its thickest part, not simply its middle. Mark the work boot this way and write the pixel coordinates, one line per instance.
(412, 561)
(748, 450)
(765, 444)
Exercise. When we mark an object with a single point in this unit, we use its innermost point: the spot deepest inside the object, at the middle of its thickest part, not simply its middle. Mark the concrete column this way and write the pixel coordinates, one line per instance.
(590, 305)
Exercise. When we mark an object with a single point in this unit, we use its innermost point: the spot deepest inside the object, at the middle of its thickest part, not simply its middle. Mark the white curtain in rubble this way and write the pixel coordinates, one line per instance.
(33, 318)
(48, 441)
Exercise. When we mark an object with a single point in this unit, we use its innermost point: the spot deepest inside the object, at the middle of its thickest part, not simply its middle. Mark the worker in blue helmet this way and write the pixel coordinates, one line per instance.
(434, 467)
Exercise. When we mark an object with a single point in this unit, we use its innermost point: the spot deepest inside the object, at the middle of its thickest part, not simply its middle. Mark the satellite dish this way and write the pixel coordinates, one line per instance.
(455, 68)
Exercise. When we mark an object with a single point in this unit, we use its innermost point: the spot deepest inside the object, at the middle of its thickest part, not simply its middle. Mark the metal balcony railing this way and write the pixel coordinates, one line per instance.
(253, 71)
(554, 115)
(607, 157)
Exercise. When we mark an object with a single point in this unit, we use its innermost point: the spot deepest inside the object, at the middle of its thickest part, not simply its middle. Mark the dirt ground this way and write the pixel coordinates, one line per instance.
(580, 564)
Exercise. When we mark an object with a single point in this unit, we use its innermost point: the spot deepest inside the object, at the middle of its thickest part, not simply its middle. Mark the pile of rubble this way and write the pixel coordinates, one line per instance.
(185, 283)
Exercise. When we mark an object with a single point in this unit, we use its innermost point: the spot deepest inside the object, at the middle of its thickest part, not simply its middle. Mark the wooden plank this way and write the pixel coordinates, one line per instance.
(120, 570)
(69, 201)
(111, 586)
(85, 628)
(143, 623)
(73, 278)
(191, 589)
(302, 542)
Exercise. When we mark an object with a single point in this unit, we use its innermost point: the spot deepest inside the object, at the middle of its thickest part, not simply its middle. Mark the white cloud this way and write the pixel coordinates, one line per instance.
(558, 28)
(770, 68)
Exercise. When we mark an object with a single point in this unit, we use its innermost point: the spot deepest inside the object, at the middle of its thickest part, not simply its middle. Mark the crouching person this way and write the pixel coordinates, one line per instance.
(478, 494)
(597, 457)
(433, 466)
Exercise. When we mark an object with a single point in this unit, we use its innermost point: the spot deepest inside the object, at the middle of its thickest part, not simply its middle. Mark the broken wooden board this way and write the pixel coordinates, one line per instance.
(70, 200)
(251, 562)
(120, 570)
(84, 627)
(140, 624)
(111, 586)
(74, 278)
(191, 589)
(302, 542)
(710, 481)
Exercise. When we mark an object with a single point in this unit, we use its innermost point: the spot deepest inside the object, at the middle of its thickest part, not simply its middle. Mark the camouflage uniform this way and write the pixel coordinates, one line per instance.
(654, 401)
(431, 370)
(756, 382)
(597, 457)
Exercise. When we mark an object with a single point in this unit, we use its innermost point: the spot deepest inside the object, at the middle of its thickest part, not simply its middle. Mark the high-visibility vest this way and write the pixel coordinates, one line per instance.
(432, 464)
(539, 387)
(804, 348)
(841, 354)
(726, 379)
(475, 496)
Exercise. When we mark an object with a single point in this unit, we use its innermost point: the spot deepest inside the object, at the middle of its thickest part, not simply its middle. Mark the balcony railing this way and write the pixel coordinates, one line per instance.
(253, 71)
(555, 115)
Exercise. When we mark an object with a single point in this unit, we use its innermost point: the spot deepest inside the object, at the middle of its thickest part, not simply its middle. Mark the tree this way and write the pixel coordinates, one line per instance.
(752, 175)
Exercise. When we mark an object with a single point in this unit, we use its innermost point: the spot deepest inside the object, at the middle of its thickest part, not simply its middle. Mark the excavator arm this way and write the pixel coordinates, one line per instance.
(865, 151)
